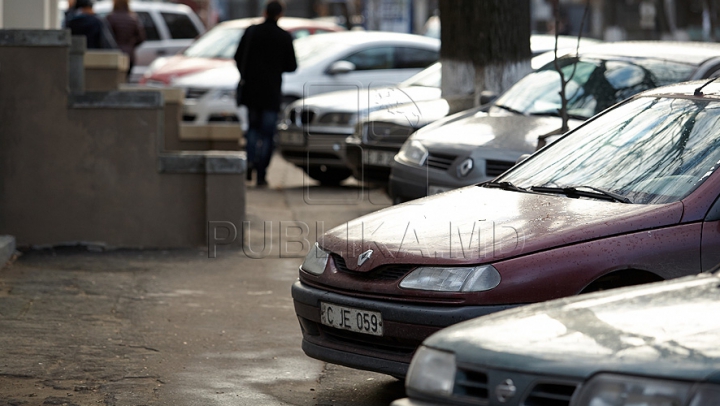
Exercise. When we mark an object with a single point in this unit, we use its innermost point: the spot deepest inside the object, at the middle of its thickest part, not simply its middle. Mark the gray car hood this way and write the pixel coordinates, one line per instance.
(506, 131)
(668, 329)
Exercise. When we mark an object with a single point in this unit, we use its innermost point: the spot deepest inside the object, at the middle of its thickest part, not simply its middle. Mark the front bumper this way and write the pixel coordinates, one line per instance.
(311, 149)
(369, 163)
(413, 182)
(405, 327)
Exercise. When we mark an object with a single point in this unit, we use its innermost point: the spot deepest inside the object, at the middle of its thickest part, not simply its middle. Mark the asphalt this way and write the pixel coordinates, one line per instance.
(174, 327)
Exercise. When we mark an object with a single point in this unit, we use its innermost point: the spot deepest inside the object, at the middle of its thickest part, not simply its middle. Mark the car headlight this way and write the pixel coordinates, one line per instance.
(413, 152)
(453, 279)
(618, 390)
(315, 261)
(338, 119)
(155, 65)
(431, 371)
(225, 94)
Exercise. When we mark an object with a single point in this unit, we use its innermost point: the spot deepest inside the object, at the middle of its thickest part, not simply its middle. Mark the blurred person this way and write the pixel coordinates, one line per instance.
(126, 29)
(264, 53)
(69, 13)
(85, 22)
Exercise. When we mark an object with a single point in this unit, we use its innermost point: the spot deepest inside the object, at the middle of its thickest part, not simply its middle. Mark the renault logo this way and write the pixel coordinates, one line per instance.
(465, 167)
(364, 257)
(505, 390)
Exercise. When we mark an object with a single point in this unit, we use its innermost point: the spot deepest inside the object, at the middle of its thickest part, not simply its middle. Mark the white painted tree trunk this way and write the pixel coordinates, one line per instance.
(463, 79)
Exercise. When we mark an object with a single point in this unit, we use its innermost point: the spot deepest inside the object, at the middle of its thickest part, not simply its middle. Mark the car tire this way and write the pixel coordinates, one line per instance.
(328, 176)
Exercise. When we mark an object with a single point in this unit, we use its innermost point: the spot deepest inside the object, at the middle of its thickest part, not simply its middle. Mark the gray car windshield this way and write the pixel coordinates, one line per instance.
(651, 150)
(596, 85)
(217, 43)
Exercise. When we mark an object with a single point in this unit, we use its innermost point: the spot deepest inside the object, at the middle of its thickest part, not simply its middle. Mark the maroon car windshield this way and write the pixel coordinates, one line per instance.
(651, 150)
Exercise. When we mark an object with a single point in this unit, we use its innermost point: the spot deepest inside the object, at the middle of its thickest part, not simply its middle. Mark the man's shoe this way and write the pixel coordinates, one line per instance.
(261, 183)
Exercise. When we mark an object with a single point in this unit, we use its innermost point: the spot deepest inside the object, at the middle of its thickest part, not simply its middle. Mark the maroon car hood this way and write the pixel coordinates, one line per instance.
(478, 225)
(180, 65)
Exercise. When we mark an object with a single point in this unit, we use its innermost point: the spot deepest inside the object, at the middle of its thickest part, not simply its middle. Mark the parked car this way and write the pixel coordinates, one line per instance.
(327, 63)
(480, 144)
(312, 130)
(629, 197)
(196, 69)
(649, 345)
(169, 28)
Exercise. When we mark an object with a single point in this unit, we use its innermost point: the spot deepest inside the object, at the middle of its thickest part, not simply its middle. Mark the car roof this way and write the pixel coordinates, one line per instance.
(287, 23)
(711, 90)
(362, 37)
(694, 53)
(145, 6)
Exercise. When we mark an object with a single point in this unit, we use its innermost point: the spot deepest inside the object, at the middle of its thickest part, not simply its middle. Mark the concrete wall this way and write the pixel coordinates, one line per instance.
(88, 167)
(29, 14)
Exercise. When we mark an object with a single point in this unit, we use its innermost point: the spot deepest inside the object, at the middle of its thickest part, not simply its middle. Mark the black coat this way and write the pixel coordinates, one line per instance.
(269, 53)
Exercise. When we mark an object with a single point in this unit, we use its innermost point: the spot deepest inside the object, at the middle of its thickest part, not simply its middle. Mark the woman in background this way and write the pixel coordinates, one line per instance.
(126, 28)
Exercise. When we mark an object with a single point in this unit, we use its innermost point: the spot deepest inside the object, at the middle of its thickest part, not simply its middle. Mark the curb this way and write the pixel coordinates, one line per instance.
(7, 249)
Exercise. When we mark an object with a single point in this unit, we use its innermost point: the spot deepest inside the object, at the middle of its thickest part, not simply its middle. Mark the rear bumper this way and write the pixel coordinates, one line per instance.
(405, 327)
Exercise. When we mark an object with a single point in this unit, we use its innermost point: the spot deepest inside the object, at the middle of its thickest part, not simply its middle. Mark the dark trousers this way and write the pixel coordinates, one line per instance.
(260, 139)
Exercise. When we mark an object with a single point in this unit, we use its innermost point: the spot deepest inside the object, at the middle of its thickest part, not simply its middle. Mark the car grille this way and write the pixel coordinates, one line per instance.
(298, 116)
(386, 133)
(195, 93)
(222, 118)
(496, 168)
(471, 384)
(440, 161)
(550, 394)
(390, 272)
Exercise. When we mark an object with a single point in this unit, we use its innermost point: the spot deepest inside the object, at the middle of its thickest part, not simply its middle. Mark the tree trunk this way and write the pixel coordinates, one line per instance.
(485, 46)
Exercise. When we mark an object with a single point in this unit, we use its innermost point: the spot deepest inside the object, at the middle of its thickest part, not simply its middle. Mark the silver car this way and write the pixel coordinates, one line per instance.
(479, 144)
(313, 130)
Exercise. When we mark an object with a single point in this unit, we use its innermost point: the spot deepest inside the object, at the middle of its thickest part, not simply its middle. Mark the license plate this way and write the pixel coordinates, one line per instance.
(292, 137)
(351, 319)
(378, 158)
(433, 190)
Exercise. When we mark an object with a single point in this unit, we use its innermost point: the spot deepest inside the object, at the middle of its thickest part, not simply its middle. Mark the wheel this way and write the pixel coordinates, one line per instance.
(328, 176)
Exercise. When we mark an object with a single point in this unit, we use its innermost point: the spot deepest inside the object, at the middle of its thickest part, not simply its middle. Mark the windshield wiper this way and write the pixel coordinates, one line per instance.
(573, 191)
(503, 186)
(557, 114)
(510, 109)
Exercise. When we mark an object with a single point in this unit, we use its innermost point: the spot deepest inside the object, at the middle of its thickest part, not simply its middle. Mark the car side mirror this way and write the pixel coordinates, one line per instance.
(486, 96)
(341, 67)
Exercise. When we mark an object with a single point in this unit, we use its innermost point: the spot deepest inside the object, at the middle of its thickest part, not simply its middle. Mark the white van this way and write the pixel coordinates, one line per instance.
(169, 28)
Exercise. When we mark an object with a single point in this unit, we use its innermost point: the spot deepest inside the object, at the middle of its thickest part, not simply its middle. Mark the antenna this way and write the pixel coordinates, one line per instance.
(698, 91)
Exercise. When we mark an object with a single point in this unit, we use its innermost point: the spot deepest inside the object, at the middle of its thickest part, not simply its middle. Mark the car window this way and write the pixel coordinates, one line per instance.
(302, 33)
(372, 58)
(409, 58)
(180, 26)
(216, 43)
(151, 32)
(658, 151)
(595, 85)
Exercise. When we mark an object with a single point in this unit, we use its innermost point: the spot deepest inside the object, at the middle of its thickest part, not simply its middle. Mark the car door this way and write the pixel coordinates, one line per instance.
(382, 65)
(153, 45)
(710, 248)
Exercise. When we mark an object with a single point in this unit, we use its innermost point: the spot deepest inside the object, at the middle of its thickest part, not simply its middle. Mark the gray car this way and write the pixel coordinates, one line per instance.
(479, 144)
(649, 345)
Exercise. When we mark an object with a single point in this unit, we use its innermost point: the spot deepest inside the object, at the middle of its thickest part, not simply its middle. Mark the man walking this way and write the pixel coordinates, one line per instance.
(264, 53)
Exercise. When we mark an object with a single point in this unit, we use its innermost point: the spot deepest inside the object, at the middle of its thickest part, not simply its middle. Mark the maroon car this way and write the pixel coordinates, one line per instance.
(629, 197)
